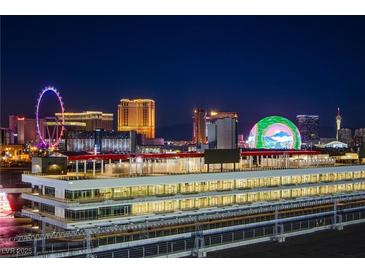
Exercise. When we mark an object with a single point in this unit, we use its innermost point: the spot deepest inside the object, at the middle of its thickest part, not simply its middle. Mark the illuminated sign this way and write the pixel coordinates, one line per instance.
(274, 132)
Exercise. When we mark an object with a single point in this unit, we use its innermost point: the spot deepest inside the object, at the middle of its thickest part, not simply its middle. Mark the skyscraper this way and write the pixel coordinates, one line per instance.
(308, 126)
(222, 130)
(13, 122)
(26, 130)
(345, 136)
(7, 136)
(199, 126)
(359, 136)
(338, 123)
(137, 115)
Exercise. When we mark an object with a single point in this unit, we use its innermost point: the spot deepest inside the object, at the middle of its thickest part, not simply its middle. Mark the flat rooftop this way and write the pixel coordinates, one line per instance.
(113, 166)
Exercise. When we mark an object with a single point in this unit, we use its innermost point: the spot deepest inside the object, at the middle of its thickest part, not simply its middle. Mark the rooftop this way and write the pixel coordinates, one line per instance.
(138, 166)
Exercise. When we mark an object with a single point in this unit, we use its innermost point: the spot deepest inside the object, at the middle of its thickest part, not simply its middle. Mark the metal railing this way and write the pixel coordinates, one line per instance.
(198, 216)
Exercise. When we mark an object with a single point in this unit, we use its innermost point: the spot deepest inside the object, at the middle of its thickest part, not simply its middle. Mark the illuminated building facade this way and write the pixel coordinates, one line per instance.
(7, 136)
(308, 126)
(26, 130)
(137, 115)
(332, 144)
(13, 153)
(100, 141)
(199, 126)
(87, 120)
(222, 130)
(13, 121)
(359, 141)
(359, 136)
(214, 115)
(274, 132)
(105, 200)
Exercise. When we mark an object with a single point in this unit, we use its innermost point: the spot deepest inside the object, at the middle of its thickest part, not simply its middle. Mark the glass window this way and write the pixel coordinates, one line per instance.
(213, 201)
(285, 193)
(47, 208)
(314, 178)
(241, 198)
(227, 200)
(275, 195)
(227, 185)
(241, 184)
(295, 192)
(122, 192)
(49, 191)
(69, 195)
(252, 197)
(187, 204)
(106, 193)
(275, 181)
(286, 180)
(170, 189)
(213, 185)
(187, 188)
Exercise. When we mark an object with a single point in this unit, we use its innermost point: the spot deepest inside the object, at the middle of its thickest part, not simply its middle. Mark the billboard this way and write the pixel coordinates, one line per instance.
(274, 132)
(221, 156)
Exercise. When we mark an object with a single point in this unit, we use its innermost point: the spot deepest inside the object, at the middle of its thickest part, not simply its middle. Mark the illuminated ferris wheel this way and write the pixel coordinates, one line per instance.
(50, 129)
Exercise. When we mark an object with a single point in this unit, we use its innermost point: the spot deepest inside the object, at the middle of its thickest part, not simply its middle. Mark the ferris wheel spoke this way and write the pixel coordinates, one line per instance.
(55, 134)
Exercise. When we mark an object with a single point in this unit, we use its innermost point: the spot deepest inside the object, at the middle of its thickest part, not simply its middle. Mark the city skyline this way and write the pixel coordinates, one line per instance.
(220, 136)
(187, 65)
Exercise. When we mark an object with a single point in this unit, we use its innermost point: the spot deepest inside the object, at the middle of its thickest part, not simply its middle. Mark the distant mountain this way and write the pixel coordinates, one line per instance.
(279, 140)
(279, 134)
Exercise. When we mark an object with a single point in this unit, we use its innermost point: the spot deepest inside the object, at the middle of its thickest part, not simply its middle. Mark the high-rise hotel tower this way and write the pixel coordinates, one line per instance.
(199, 126)
(308, 126)
(138, 115)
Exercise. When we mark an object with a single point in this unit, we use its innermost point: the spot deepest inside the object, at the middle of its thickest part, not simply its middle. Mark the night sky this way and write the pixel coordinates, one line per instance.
(255, 65)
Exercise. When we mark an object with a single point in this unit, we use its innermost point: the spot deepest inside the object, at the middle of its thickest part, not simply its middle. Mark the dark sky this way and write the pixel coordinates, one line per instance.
(255, 65)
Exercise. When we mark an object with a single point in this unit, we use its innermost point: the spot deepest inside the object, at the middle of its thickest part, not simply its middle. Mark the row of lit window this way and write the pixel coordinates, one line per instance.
(260, 196)
(199, 187)
(206, 202)
(97, 213)
(49, 209)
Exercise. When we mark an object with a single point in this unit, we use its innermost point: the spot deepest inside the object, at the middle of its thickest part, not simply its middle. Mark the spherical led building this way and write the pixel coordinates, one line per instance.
(274, 132)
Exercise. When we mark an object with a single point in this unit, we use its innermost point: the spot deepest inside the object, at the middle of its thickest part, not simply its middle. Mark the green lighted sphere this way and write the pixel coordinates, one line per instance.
(274, 132)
